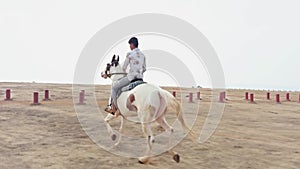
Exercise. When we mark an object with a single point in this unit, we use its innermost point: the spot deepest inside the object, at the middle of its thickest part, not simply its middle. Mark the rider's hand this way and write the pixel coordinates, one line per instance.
(103, 75)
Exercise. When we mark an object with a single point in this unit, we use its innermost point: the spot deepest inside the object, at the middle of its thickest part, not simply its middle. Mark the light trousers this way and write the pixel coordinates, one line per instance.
(116, 89)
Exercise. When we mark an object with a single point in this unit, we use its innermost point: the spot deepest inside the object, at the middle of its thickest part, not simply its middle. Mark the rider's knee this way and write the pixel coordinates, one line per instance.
(115, 88)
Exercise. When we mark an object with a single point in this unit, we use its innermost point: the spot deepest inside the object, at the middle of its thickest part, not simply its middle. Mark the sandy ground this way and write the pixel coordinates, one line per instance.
(261, 135)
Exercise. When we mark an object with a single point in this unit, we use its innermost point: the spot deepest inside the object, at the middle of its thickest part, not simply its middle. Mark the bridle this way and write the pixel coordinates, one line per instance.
(110, 74)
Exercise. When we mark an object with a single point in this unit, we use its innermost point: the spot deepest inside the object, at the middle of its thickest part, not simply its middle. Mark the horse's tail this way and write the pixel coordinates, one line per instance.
(174, 104)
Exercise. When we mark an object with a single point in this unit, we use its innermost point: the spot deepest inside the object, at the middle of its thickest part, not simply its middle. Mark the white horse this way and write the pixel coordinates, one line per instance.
(150, 102)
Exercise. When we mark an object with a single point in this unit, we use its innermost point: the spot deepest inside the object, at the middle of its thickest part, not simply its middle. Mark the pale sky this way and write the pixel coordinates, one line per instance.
(257, 41)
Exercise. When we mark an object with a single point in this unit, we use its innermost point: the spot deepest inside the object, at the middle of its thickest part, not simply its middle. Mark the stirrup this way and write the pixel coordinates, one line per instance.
(110, 110)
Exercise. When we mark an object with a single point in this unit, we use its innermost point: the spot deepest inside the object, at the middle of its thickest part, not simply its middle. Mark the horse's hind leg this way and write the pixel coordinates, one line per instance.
(163, 122)
(148, 133)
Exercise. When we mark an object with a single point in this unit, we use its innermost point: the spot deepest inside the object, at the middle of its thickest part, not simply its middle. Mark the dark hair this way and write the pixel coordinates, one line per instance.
(134, 41)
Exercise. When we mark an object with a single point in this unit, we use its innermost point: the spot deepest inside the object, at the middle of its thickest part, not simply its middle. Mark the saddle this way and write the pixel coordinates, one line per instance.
(134, 83)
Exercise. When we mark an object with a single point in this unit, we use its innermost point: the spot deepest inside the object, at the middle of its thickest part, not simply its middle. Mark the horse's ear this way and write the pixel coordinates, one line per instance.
(113, 58)
(118, 58)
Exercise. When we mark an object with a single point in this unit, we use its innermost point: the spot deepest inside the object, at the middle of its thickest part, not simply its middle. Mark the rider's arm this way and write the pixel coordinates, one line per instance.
(125, 65)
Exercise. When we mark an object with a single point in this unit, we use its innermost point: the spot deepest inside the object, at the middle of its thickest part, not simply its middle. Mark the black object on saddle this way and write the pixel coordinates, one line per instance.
(134, 83)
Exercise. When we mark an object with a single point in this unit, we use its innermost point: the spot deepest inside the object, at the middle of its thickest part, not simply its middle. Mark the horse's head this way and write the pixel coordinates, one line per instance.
(112, 68)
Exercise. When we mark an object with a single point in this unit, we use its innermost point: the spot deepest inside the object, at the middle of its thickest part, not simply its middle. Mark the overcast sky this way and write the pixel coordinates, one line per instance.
(257, 41)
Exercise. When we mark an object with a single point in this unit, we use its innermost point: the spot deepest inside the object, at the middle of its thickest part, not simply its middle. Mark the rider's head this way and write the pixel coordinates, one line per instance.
(133, 43)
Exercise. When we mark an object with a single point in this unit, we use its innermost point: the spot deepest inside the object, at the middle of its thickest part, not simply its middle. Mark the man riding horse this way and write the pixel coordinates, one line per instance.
(150, 102)
(137, 62)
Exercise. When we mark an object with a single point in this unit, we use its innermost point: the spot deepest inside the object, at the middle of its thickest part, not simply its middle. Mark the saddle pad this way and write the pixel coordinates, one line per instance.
(132, 85)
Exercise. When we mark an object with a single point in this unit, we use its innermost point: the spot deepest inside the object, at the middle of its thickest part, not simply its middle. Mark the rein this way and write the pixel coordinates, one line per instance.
(118, 74)
(110, 74)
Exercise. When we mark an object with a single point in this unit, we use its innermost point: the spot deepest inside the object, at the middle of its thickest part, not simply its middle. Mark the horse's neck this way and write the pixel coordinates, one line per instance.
(116, 78)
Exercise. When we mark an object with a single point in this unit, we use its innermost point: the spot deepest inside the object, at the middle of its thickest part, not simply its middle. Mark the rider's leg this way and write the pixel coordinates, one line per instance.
(114, 92)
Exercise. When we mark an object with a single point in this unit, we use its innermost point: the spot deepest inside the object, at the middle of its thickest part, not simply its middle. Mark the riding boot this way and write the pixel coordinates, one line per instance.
(111, 110)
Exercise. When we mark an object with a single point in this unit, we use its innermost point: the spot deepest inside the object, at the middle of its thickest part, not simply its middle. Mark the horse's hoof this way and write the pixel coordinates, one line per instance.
(143, 160)
(113, 137)
(176, 158)
(151, 139)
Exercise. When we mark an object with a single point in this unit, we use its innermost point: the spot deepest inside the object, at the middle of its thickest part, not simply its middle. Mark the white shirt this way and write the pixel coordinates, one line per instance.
(137, 61)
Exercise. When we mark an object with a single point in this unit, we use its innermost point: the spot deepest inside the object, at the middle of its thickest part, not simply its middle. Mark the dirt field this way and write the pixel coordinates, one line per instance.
(261, 135)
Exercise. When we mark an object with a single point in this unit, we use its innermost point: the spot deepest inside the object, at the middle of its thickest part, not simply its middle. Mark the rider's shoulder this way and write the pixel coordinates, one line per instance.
(133, 52)
(128, 54)
(138, 52)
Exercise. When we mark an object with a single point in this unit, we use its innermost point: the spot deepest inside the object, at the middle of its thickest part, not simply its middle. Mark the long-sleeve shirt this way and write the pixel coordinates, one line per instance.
(137, 61)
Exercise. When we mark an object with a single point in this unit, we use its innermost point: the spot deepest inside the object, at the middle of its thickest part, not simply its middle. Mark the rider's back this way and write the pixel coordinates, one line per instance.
(137, 62)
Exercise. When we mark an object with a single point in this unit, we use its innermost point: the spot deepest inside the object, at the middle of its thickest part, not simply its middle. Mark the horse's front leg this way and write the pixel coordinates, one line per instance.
(120, 130)
(110, 131)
